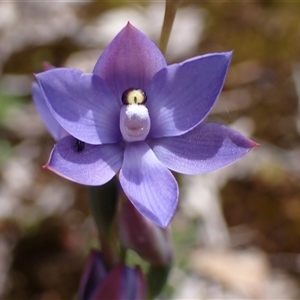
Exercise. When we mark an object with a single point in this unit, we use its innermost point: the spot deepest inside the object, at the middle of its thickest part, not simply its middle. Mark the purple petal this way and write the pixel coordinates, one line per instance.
(122, 283)
(84, 163)
(150, 186)
(181, 95)
(207, 147)
(50, 122)
(93, 276)
(129, 61)
(82, 104)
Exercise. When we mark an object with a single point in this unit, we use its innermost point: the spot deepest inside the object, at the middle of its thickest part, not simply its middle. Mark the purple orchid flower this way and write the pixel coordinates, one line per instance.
(139, 117)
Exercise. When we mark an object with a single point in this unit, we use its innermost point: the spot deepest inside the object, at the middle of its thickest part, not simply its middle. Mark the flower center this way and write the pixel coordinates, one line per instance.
(134, 96)
(134, 117)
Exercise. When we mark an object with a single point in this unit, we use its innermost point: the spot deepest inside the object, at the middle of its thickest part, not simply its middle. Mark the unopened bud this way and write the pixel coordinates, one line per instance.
(150, 241)
(93, 276)
(121, 283)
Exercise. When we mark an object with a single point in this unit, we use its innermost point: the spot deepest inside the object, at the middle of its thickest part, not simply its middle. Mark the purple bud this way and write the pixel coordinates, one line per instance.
(122, 283)
(93, 275)
(47, 66)
(150, 241)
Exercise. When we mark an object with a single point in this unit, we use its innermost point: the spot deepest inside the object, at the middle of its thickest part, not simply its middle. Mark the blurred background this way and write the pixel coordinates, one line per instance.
(237, 230)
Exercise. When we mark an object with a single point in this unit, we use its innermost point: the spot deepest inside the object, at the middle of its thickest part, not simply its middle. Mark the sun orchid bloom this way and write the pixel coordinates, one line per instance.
(139, 117)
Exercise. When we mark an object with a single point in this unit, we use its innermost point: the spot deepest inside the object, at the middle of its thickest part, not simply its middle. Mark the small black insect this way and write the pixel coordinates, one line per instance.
(79, 145)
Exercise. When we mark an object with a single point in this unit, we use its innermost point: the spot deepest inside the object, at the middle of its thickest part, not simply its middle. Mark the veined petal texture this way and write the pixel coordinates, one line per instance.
(50, 122)
(207, 147)
(148, 184)
(181, 95)
(82, 104)
(84, 163)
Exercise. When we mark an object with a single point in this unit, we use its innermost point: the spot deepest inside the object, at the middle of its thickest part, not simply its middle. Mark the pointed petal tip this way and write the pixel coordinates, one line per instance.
(162, 220)
(229, 54)
(47, 66)
(159, 221)
(208, 147)
(48, 167)
(130, 26)
(252, 145)
(165, 223)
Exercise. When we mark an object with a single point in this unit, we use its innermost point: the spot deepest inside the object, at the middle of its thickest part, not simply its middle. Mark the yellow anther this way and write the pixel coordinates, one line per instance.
(134, 96)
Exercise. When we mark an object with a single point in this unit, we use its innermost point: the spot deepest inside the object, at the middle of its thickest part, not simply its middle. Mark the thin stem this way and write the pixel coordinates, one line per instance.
(170, 13)
(103, 205)
(157, 277)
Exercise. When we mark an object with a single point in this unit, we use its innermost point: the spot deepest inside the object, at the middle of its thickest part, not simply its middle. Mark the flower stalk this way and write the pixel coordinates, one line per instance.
(103, 204)
(170, 13)
(157, 277)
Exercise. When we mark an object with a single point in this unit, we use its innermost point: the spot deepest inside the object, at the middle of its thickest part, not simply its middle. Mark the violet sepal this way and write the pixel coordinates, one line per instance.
(50, 122)
(82, 104)
(181, 95)
(129, 61)
(207, 147)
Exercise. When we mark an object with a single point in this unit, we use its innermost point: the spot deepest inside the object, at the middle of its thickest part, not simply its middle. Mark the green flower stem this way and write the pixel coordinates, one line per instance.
(157, 277)
(103, 204)
(110, 250)
(170, 12)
